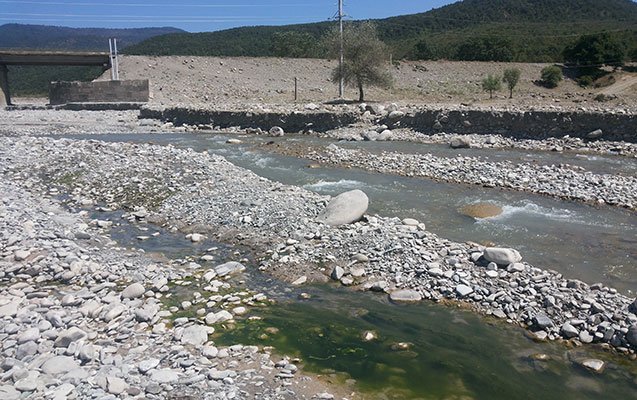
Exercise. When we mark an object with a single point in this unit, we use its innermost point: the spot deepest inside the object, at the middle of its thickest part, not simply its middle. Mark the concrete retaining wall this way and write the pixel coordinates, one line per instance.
(522, 125)
(99, 92)
(290, 122)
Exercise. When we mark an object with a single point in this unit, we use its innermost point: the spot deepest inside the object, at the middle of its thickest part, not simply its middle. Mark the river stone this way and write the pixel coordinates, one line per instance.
(481, 210)
(9, 309)
(463, 290)
(631, 336)
(585, 337)
(396, 115)
(9, 393)
(116, 385)
(147, 365)
(29, 335)
(229, 268)
(569, 331)
(301, 280)
(26, 349)
(596, 134)
(59, 365)
(21, 255)
(593, 364)
(492, 274)
(502, 256)
(337, 273)
(164, 376)
(69, 336)
(385, 135)
(133, 291)
(27, 384)
(542, 321)
(195, 335)
(410, 222)
(345, 208)
(405, 296)
(220, 316)
(460, 143)
(277, 131)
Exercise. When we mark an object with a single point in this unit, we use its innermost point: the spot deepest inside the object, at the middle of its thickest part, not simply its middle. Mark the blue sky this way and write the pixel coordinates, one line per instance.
(198, 15)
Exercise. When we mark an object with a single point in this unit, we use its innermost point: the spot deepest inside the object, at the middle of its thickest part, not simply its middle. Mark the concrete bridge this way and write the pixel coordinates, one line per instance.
(44, 58)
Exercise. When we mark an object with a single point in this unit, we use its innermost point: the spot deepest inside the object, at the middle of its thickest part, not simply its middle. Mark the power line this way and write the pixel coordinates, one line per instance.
(92, 4)
(152, 17)
(217, 20)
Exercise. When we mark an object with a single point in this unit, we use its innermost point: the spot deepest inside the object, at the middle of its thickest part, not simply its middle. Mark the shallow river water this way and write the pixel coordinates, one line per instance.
(423, 351)
(594, 244)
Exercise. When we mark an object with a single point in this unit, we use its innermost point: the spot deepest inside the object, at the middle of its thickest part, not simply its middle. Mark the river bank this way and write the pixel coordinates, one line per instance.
(84, 317)
(202, 193)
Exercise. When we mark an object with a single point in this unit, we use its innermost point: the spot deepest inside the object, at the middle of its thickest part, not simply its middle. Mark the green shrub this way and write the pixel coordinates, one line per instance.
(491, 84)
(585, 81)
(551, 76)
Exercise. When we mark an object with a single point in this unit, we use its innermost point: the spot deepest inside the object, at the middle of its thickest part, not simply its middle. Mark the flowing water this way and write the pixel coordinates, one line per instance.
(594, 244)
(423, 351)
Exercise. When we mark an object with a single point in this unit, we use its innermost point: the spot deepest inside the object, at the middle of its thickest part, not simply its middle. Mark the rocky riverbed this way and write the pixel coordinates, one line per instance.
(562, 181)
(203, 194)
(83, 317)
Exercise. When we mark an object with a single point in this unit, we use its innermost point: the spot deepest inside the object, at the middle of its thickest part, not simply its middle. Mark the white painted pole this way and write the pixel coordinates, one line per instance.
(116, 60)
(341, 56)
(110, 50)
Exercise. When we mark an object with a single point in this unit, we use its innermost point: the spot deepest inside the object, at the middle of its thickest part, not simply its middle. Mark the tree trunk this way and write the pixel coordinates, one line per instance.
(491, 94)
(510, 93)
(361, 94)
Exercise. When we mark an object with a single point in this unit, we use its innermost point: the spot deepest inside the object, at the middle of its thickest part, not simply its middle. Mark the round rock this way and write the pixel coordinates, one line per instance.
(133, 291)
(345, 208)
(502, 256)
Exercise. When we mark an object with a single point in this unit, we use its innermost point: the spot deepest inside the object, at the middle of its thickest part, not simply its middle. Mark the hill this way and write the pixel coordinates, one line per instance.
(42, 37)
(527, 30)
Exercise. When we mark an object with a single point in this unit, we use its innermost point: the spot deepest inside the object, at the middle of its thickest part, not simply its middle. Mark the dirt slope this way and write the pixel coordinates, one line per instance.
(243, 81)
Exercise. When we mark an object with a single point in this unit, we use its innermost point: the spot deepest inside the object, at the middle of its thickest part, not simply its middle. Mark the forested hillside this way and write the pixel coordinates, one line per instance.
(505, 30)
(18, 36)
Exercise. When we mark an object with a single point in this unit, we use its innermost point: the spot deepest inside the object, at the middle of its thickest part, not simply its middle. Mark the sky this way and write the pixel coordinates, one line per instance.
(198, 15)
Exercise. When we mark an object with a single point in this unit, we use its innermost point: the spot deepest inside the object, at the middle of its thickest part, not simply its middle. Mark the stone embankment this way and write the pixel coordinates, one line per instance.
(554, 180)
(519, 124)
(516, 124)
(203, 193)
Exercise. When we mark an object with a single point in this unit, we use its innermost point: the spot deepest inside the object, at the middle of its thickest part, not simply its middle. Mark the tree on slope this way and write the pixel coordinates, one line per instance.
(491, 84)
(365, 57)
(511, 78)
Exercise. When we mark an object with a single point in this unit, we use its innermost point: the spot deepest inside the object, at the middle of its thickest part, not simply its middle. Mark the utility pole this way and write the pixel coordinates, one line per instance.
(341, 57)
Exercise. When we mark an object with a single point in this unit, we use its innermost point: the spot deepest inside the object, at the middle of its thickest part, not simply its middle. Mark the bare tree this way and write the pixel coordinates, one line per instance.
(366, 60)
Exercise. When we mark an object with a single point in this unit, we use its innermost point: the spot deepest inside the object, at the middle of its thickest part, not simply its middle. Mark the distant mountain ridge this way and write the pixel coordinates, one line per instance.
(43, 37)
(534, 30)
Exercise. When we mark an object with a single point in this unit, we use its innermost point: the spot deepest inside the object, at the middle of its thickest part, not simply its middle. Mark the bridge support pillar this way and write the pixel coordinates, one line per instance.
(5, 95)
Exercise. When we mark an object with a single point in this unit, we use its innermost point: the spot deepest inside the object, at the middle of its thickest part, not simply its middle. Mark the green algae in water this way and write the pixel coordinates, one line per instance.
(424, 351)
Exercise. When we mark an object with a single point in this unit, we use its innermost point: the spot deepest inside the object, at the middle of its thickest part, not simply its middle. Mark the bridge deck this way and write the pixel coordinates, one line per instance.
(53, 58)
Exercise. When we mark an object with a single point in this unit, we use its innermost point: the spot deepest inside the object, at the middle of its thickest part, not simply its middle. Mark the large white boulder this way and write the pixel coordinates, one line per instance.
(345, 208)
(502, 256)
